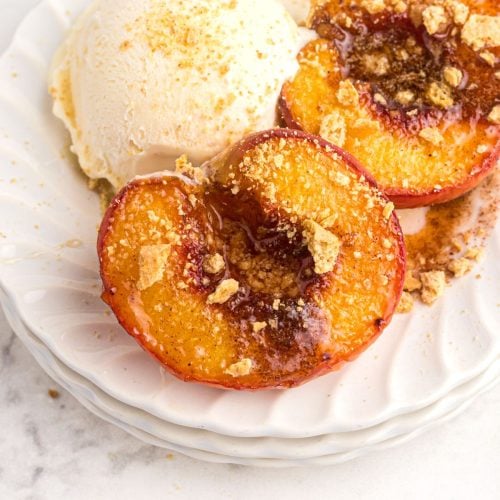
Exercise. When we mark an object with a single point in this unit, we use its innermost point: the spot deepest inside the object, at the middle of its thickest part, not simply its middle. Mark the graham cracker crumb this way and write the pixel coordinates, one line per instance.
(185, 167)
(380, 99)
(474, 253)
(366, 123)
(456, 244)
(415, 15)
(152, 216)
(388, 209)
(453, 76)
(278, 160)
(402, 54)
(214, 264)
(433, 286)
(481, 31)
(240, 369)
(435, 19)
(258, 326)
(494, 116)
(193, 200)
(405, 303)
(347, 93)
(347, 21)
(405, 97)
(411, 283)
(182, 163)
(440, 95)
(224, 292)
(376, 64)
(460, 267)
(400, 7)
(459, 11)
(152, 262)
(333, 128)
(431, 135)
(373, 6)
(323, 245)
(342, 179)
(488, 57)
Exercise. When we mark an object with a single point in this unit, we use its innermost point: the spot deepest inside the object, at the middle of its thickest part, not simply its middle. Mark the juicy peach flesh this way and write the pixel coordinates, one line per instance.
(251, 213)
(382, 133)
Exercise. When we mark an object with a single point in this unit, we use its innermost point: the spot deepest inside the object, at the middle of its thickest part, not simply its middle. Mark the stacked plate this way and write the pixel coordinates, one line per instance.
(424, 368)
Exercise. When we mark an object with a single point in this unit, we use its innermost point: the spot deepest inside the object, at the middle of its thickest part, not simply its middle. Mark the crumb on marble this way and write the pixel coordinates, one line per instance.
(53, 393)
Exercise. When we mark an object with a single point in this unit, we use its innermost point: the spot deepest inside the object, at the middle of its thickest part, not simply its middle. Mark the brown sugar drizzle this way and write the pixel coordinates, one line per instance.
(398, 69)
(273, 305)
(454, 233)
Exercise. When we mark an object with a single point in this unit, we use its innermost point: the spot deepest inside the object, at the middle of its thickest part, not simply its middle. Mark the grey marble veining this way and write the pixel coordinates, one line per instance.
(53, 448)
(47, 442)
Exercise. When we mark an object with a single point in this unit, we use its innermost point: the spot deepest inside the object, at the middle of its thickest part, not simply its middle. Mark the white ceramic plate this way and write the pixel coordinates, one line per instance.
(48, 267)
(268, 452)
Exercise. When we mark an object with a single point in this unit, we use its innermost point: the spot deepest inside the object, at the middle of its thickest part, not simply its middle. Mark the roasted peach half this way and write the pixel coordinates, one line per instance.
(411, 89)
(277, 265)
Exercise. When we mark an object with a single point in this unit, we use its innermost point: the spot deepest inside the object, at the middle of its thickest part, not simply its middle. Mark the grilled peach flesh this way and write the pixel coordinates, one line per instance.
(276, 262)
(412, 90)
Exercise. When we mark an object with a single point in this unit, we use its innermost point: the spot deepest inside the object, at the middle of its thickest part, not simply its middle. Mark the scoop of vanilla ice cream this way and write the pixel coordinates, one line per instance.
(139, 82)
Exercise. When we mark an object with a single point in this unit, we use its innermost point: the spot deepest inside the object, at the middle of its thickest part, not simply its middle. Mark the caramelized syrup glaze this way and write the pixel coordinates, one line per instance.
(274, 270)
(234, 297)
(413, 60)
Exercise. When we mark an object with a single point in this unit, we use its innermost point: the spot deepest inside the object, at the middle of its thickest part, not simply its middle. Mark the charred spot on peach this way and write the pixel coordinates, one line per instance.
(286, 263)
(408, 88)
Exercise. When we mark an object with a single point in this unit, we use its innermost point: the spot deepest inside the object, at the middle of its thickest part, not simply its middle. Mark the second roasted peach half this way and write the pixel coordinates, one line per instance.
(411, 89)
(275, 263)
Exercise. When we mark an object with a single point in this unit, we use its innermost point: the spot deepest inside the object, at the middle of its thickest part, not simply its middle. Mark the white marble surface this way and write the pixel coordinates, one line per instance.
(54, 448)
